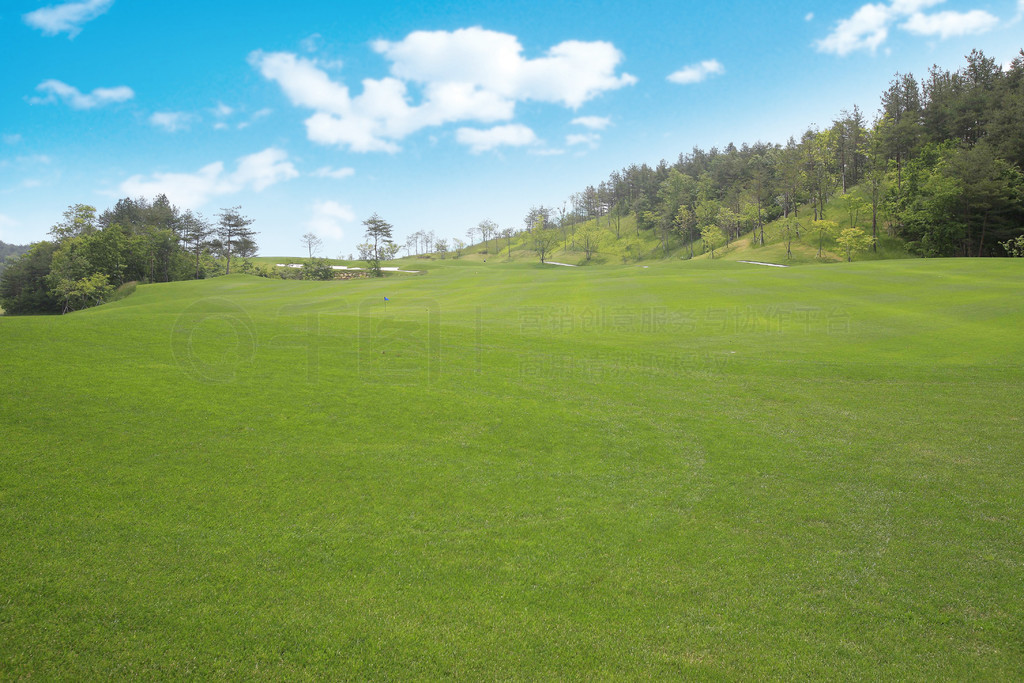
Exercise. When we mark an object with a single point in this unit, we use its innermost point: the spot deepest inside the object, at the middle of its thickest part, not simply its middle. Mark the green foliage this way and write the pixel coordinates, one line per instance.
(10, 252)
(317, 269)
(711, 236)
(960, 202)
(78, 220)
(135, 241)
(72, 295)
(234, 236)
(1015, 247)
(23, 284)
(589, 238)
(543, 240)
(787, 229)
(941, 169)
(853, 240)
(378, 245)
(823, 228)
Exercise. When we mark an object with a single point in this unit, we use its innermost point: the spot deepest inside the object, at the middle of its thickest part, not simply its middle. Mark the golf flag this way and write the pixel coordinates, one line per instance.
(386, 299)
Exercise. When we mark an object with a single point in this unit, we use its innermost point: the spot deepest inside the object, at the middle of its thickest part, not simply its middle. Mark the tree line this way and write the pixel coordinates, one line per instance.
(938, 167)
(9, 252)
(88, 256)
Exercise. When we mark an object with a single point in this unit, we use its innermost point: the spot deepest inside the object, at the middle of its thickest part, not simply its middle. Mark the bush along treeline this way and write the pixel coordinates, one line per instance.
(89, 257)
(939, 168)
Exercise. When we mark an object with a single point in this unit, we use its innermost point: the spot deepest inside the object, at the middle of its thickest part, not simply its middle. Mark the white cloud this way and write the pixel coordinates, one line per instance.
(329, 219)
(66, 18)
(589, 139)
(336, 174)
(695, 73)
(222, 110)
(7, 222)
(865, 30)
(512, 135)
(904, 7)
(592, 122)
(570, 73)
(948, 24)
(12, 138)
(261, 114)
(192, 190)
(171, 121)
(312, 43)
(55, 90)
(869, 26)
(809, 16)
(465, 75)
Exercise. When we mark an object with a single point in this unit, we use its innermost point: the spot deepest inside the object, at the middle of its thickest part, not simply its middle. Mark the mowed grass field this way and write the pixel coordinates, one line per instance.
(687, 470)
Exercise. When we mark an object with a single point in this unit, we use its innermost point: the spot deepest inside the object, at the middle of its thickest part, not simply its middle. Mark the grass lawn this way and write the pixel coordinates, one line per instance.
(661, 470)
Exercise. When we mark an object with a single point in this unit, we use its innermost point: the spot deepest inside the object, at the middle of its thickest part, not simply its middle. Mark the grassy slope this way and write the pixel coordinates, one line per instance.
(626, 245)
(703, 469)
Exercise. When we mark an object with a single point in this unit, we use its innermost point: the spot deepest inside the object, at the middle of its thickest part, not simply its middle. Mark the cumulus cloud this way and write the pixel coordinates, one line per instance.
(570, 73)
(329, 219)
(868, 28)
(865, 30)
(512, 135)
(335, 173)
(465, 75)
(54, 90)
(171, 121)
(66, 18)
(592, 122)
(192, 190)
(948, 24)
(695, 73)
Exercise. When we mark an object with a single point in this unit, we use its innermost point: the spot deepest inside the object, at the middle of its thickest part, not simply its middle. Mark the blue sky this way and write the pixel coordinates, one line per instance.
(313, 115)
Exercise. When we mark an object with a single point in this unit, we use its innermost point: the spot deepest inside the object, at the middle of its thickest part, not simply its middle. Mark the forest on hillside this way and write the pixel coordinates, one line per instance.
(9, 251)
(939, 166)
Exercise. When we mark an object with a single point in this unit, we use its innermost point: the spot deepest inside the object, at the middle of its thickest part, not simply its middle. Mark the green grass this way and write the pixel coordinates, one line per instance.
(700, 470)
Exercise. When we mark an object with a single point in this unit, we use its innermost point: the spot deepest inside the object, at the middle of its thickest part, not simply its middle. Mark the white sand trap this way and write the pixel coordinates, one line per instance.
(556, 263)
(760, 263)
(393, 269)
